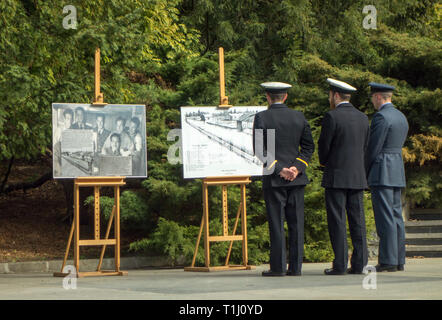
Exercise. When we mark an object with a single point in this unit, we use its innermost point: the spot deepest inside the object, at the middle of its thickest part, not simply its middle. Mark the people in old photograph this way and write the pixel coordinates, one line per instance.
(68, 117)
(130, 143)
(119, 128)
(135, 136)
(91, 140)
(135, 146)
(101, 131)
(80, 121)
(115, 146)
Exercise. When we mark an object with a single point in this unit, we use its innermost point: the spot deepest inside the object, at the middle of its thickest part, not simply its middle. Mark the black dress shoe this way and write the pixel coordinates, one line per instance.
(271, 273)
(400, 267)
(354, 271)
(292, 273)
(333, 272)
(386, 267)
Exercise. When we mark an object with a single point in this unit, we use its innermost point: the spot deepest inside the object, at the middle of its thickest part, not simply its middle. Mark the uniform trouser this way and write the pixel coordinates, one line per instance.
(337, 202)
(390, 228)
(288, 202)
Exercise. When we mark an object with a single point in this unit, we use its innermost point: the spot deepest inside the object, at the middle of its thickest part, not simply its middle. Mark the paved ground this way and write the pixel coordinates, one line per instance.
(422, 279)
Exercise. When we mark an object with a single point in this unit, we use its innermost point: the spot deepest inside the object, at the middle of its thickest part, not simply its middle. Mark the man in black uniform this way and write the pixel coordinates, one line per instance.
(284, 143)
(341, 147)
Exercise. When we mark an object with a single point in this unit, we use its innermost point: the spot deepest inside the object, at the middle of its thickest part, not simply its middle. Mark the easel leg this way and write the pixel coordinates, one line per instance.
(77, 228)
(198, 242)
(225, 212)
(117, 228)
(71, 234)
(244, 225)
(206, 225)
(233, 233)
(97, 213)
(111, 218)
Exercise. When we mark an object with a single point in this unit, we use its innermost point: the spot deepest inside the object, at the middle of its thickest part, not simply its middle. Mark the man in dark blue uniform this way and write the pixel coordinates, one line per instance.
(342, 146)
(386, 176)
(282, 140)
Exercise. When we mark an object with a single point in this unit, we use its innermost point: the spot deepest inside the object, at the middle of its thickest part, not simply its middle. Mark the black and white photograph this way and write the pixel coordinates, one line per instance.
(218, 142)
(98, 141)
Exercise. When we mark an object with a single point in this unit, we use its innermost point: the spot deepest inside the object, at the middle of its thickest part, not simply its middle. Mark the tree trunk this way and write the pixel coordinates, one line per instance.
(28, 185)
(8, 171)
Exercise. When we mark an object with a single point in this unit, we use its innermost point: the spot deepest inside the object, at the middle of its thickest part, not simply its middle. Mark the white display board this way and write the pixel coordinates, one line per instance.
(219, 142)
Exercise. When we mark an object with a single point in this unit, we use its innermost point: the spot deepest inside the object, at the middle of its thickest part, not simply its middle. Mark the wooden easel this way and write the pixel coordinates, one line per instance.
(224, 182)
(95, 182)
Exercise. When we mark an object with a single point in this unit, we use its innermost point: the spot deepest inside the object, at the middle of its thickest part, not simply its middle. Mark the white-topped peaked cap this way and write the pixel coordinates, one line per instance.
(276, 87)
(340, 86)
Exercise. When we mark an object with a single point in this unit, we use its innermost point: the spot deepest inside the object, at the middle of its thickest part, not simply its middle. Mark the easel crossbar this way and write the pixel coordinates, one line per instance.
(100, 242)
(226, 238)
(93, 273)
(219, 268)
(226, 181)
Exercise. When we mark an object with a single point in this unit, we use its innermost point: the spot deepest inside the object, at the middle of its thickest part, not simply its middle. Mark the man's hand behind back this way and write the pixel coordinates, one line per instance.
(289, 174)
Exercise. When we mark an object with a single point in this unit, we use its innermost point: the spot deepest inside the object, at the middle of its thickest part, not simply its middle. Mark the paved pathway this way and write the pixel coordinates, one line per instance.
(422, 279)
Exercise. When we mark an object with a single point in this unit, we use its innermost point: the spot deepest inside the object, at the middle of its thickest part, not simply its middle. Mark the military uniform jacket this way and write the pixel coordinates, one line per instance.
(294, 144)
(384, 163)
(341, 147)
